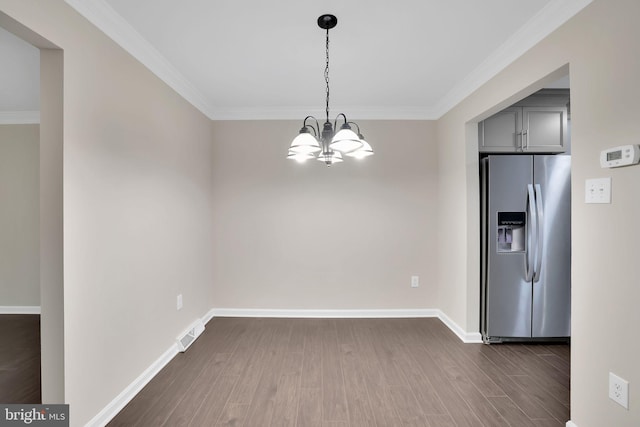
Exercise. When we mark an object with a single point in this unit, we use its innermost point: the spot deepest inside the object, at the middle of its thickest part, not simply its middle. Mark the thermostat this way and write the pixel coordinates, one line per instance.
(624, 155)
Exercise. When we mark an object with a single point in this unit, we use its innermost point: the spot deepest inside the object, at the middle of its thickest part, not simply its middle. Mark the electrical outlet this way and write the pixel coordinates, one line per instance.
(179, 302)
(619, 390)
(415, 281)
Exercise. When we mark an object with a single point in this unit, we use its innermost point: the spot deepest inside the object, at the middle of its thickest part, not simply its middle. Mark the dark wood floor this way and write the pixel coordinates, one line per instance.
(352, 372)
(20, 358)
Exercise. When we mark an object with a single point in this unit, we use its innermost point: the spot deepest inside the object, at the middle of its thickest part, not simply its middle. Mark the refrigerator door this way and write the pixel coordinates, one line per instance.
(507, 294)
(552, 289)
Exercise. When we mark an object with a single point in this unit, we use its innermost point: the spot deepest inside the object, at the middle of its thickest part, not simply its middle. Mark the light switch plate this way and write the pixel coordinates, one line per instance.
(597, 190)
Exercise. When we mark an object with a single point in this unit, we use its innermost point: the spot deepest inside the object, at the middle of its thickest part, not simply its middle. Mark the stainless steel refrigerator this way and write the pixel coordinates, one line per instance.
(526, 247)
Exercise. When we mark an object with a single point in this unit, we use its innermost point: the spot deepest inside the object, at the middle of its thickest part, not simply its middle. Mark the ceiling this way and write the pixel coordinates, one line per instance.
(410, 59)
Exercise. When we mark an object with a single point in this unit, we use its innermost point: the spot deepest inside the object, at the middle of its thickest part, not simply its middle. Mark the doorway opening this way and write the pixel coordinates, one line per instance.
(45, 210)
(20, 220)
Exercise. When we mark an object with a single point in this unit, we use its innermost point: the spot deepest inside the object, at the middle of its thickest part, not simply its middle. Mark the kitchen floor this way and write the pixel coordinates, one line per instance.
(353, 372)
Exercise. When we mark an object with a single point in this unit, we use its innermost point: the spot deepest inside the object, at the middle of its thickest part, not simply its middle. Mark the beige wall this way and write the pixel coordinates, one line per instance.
(305, 236)
(598, 45)
(20, 215)
(137, 209)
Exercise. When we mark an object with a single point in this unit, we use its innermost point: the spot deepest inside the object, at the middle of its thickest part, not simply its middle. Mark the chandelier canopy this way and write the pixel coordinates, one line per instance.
(330, 145)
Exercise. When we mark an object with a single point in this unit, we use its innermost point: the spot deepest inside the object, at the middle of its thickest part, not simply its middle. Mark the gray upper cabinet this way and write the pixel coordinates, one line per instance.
(501, 132)
(528, 129)
(544, 129)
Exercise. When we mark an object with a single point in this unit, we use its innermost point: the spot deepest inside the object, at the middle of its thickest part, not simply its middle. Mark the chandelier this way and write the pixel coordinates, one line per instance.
(331, 144)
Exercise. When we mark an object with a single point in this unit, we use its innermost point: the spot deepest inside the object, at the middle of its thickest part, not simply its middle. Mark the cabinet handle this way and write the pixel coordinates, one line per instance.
(525, 139)
(519, 134)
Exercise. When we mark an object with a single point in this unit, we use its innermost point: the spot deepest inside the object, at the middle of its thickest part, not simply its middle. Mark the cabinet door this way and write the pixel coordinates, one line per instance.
(544, 129)
(501, 132)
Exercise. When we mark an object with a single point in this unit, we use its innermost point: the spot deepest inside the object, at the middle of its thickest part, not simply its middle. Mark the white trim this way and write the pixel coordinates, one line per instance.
(19, 117)
(571, 424)
(15, 309)
(208, 316)
(550, 18)
(466, 337)
(355, 113)
(116, 405)
(251, 312)
(102, 15)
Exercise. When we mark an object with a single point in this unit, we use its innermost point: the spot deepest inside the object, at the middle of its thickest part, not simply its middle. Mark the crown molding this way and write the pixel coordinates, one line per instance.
(298, 113)
(100, 14)
(550, 18)
(19, 117)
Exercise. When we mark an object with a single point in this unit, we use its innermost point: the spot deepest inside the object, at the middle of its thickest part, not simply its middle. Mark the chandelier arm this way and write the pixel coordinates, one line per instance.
(354, 123)
(315, 133)
(316, 130)
(335, 122)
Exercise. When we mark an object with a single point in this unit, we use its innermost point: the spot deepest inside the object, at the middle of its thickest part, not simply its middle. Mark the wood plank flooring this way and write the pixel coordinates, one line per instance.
(352, 372)
(20, 358)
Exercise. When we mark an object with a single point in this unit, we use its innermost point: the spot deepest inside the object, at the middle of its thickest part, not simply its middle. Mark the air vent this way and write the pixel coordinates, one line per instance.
(190, 335)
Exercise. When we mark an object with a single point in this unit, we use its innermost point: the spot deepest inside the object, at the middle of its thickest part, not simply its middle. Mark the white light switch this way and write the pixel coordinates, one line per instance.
(597, 190)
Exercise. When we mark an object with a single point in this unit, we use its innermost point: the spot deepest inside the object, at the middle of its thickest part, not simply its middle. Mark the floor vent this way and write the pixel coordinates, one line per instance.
(190, 335)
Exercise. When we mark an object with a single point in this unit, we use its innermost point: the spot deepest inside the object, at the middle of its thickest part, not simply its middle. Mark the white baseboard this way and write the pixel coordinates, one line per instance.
(571, 424)
(467, 337)
(117, 404)
(14, 309)
(250, 312)
(208, 317)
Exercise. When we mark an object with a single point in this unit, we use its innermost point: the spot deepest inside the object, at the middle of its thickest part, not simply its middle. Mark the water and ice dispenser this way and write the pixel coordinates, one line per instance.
(511, 233)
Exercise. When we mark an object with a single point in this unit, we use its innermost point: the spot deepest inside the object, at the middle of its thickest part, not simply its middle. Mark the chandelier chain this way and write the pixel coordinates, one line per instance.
(326, 76)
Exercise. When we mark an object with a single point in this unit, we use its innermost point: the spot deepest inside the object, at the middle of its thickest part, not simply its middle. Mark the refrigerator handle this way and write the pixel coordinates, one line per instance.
(532, 231)
(540, 233)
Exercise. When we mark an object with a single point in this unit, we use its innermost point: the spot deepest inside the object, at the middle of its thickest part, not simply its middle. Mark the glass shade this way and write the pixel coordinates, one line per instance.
(300, 157)
(330, 157)
(345, 140)
(363, 151)
(304, 143)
